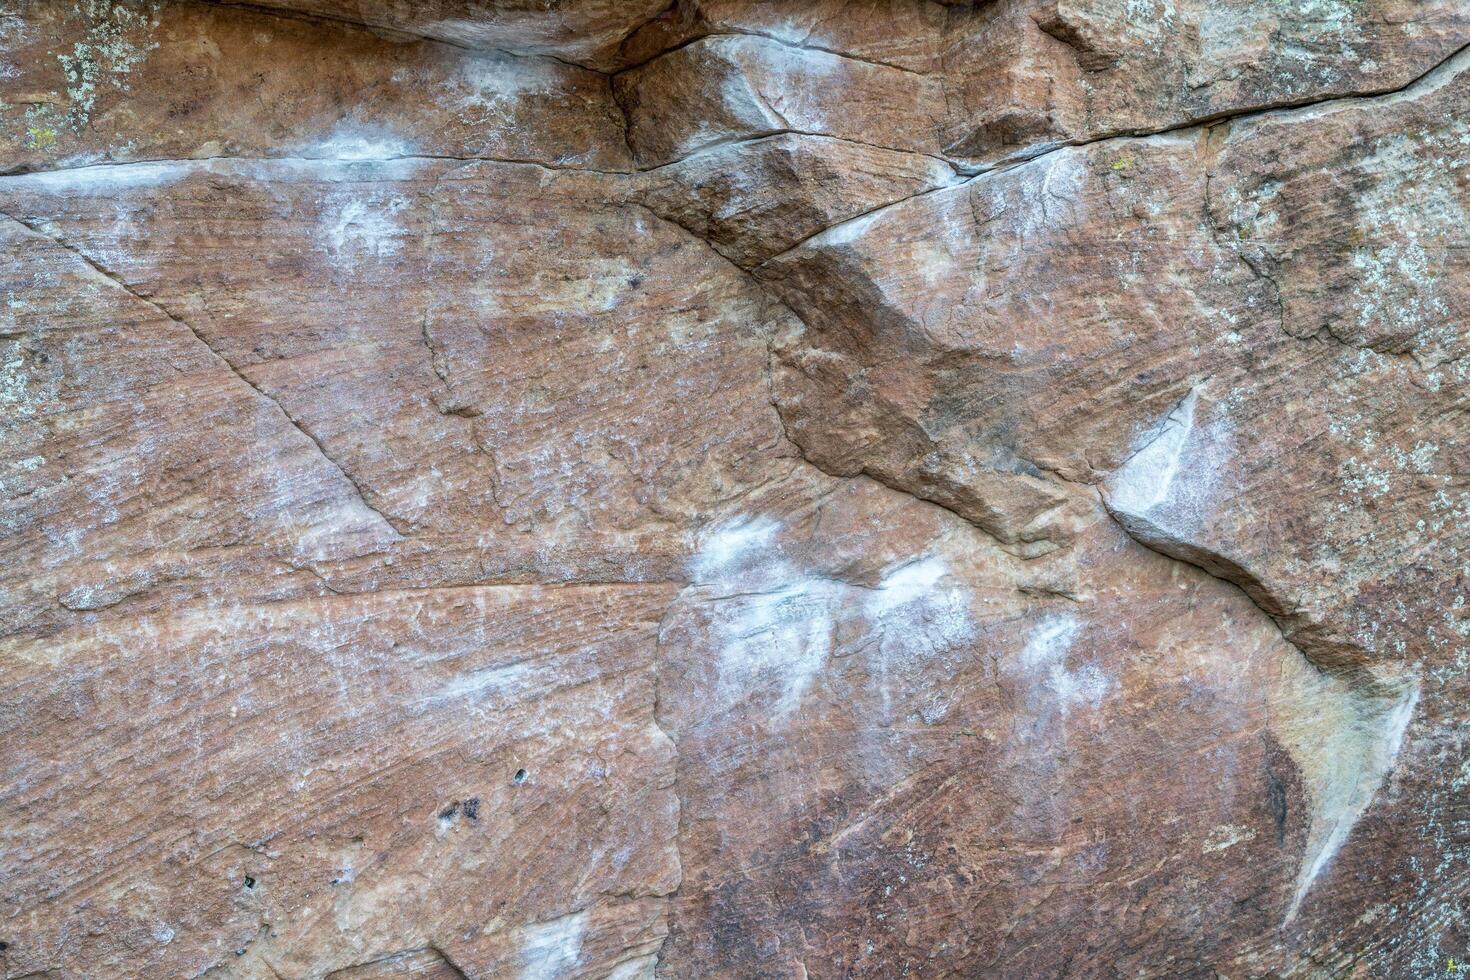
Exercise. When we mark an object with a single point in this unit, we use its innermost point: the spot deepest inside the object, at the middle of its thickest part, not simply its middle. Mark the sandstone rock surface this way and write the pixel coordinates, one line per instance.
(734, 488)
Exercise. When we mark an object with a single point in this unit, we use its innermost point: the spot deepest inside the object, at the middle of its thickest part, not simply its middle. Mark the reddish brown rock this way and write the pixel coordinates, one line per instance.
(1204, 325)
(457, 444)
(754, 200)
(239, 787)
(1308, 472)
(717, 490)
(1025, 74)
(96, 82)
(899, 35)
(581, 31)
(720, 89)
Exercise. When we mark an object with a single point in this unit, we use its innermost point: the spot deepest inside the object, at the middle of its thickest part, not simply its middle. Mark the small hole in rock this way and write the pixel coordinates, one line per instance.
(472, 808)
(249, 882)
(520, 776)
(4, 947)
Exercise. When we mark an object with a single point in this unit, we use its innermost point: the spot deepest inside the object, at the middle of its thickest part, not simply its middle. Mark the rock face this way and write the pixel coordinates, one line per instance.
(734, 488)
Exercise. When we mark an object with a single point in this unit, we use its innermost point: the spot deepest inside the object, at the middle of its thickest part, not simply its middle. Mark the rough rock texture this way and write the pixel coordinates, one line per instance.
(734, 488)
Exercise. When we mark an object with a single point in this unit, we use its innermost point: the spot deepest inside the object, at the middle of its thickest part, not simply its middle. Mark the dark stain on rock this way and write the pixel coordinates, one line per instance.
(1276, 800)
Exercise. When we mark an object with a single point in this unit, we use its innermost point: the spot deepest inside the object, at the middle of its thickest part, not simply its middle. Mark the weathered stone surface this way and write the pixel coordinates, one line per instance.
(582, 31)
(754, 200)
(896, 804)
(1008, 79)
(227, 776)
(1219, 292)
(736, 488)
(96, 82)
(899, 35)
(719, 89)
(1026, 73)
(449, 456)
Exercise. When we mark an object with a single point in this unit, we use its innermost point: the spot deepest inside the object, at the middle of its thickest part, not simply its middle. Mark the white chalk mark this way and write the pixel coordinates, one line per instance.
(549, 950)
(1348, 760)
(1145, 481)
(777, 618)
(1045, 656)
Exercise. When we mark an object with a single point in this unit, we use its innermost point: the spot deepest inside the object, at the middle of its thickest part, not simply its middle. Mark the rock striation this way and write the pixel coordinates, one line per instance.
(734, 488)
